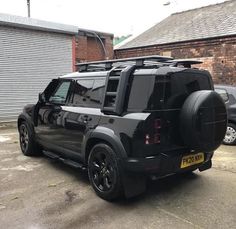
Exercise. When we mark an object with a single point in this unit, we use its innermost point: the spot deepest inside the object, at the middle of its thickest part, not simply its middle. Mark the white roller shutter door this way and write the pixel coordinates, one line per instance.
(29, 59)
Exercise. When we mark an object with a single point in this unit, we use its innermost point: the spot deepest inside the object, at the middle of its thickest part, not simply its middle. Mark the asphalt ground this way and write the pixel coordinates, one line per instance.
(39, 193)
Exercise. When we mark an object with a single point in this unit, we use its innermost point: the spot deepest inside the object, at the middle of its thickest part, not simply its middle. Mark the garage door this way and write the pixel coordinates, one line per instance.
(28, 60)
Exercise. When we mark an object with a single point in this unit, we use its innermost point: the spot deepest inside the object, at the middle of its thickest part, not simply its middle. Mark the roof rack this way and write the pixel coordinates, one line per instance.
(109, 64)
(183, 62)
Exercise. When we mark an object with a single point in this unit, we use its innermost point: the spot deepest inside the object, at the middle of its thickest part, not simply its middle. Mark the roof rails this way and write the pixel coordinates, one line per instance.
(106, 65)
(187, 63)
(109, 64)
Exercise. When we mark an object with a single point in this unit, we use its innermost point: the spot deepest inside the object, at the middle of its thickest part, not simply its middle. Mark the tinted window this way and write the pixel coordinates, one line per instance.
(61, 93)
(98, 92)
(150, 92)
(223, 93)
(181, 84)
(89, 92)
(146, 94)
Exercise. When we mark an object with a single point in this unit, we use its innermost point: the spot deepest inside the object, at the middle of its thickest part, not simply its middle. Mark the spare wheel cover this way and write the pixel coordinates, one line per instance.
(203, 120)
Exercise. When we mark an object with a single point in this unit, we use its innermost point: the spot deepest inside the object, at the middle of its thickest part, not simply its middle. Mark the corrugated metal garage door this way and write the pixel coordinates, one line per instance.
(28, 60)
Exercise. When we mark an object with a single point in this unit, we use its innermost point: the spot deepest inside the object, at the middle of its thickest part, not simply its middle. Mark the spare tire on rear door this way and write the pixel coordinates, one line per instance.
(203, 120)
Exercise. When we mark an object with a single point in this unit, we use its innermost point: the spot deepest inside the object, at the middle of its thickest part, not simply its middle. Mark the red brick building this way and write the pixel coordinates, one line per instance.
(93, 45)
(207, 34)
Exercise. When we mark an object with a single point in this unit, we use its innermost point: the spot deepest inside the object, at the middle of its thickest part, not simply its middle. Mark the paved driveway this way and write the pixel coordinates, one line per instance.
(39, 193)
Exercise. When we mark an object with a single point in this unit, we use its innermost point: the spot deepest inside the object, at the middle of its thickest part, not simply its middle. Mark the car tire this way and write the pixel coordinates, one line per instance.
(230, 135)
(27, 143)
(104, 172)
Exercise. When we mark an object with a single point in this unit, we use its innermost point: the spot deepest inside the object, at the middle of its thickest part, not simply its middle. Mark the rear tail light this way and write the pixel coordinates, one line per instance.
(157, 138)
(157, 123)
(154, 137)
(147, 139)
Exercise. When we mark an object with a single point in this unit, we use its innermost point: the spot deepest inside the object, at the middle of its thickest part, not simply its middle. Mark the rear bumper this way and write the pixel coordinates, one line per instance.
(164, 164)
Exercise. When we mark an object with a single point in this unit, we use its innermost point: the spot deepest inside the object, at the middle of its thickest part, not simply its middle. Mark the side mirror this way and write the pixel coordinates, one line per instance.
(42, 98)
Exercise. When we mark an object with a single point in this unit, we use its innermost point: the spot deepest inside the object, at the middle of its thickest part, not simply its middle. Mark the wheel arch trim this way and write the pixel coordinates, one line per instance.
(24, 117)
(105, 135)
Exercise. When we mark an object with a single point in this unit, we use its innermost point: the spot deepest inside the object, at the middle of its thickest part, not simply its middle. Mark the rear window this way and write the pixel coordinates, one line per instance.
(151, 92)
(182, 84)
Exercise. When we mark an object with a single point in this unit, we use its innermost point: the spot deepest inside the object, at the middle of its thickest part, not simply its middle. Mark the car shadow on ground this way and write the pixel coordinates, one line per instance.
(164, 187)
(154, 187)
(79, 174)
(89, 207)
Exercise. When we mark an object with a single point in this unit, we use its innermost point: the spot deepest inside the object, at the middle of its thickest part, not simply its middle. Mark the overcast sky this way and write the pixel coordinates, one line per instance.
(120, 17)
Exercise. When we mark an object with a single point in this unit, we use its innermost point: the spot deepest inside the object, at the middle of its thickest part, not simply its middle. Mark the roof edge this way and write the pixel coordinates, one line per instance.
(177, 42)
(184, 11)
(36, 24)
(96, 32)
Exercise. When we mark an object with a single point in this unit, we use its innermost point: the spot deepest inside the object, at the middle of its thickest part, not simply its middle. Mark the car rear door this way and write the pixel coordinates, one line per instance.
(83, 112)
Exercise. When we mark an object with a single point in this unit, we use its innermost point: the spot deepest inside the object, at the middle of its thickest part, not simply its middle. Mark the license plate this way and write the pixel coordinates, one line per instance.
(193, 159)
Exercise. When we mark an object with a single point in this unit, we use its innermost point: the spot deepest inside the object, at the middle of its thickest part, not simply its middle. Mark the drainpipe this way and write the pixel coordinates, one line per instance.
(100, 41)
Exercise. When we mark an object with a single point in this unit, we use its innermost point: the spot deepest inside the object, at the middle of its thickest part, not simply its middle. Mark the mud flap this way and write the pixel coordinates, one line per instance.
(205, 166)
(134, 183)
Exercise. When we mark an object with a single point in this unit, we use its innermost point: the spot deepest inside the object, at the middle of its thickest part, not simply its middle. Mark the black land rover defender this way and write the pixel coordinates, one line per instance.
(126, 119)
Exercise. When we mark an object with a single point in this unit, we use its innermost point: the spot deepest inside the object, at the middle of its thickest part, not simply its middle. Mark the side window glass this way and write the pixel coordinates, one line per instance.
(98, 92)
(82, 92)
(89, 93)
(141, 91)
(60, 94)
(223, 93)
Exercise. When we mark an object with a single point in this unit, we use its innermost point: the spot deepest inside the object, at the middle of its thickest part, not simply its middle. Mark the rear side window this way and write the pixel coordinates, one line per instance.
(97, 93)
(89, 92)
(223, 93)
(146, 94)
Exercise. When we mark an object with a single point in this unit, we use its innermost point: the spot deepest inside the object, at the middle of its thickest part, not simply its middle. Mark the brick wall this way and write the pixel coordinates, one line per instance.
(218, 55)
(89, 48)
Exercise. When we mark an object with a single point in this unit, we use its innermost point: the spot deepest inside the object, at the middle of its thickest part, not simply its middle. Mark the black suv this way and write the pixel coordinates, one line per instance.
(126, 119)
(228, 94)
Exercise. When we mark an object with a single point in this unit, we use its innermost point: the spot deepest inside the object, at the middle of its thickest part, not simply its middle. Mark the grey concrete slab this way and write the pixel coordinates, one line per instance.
(40, 193)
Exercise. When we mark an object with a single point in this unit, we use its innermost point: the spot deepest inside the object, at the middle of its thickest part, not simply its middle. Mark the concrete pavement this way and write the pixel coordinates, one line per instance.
(40, 193)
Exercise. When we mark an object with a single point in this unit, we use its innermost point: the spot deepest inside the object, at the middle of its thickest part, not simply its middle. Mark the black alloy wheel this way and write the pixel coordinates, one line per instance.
(104, 172)
(24, 138)
(27, 143)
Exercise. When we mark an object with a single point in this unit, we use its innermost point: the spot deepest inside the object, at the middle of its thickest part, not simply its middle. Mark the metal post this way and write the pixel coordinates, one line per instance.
(28, 5)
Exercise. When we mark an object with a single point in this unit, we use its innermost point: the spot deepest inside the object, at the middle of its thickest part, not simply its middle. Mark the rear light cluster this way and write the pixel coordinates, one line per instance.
(155, 136)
